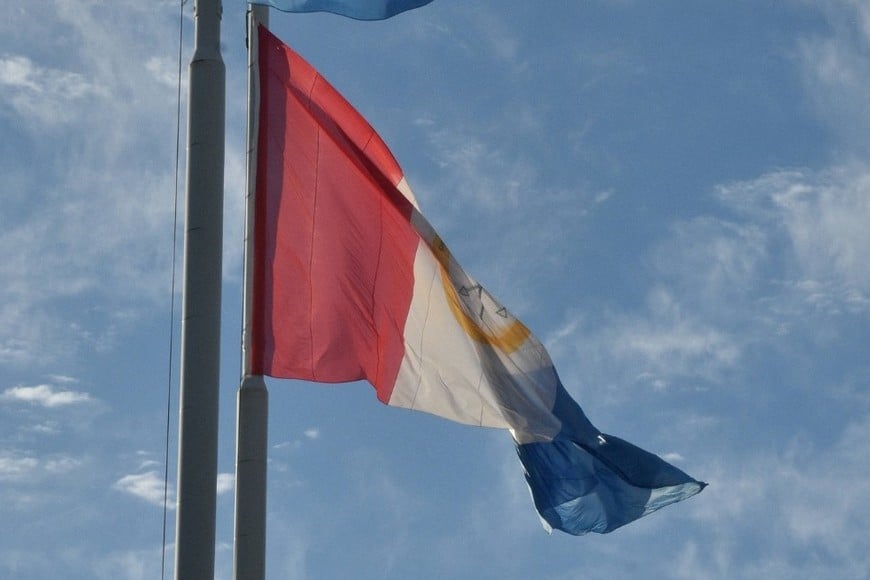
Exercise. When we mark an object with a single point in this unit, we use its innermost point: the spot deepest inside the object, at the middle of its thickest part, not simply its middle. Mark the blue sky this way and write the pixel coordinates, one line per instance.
(673, 196)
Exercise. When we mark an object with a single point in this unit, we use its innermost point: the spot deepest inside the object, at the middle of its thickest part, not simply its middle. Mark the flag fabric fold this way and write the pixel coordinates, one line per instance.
(358, 9)
(352, 282)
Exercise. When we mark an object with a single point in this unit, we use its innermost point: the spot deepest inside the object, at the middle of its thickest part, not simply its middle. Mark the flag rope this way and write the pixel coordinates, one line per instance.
(171, 347)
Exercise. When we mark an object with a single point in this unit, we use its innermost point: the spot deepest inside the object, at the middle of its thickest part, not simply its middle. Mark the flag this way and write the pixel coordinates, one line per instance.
(358, 9)
(352, 282)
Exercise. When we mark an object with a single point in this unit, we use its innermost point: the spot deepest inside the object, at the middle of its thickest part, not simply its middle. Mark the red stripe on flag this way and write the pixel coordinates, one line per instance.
(334, 248)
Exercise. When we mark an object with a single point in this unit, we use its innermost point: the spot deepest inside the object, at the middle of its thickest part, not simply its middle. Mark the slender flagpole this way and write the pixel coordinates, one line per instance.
(201, 306)
(249, 545)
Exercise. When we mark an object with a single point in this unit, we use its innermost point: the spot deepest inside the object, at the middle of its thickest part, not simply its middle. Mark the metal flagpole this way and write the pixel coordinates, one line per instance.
(249, 544)
(201, 306)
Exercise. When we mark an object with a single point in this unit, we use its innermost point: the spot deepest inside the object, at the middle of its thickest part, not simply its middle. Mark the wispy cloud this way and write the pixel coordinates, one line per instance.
(28, 467)
(44, 428)
(781, 268)
(13, 467)
(129, 564)
(498, 39)
(310, 434)
(111, 196)
(672, 340)
(45, 95)
(836, 71)
(663, 343)
(800, 509)
(477, 173)
(812, 222)
(44, 396)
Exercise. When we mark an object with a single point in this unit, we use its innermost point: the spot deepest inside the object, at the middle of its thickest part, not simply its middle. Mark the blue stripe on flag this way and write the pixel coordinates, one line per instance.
(586, 481)
(358, 9)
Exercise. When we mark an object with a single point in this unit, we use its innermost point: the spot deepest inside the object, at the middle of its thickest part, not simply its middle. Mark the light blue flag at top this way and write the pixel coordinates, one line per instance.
(358, 9)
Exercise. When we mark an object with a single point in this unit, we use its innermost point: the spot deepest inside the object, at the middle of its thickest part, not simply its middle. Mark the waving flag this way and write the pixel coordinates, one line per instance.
(359, 9)
(351, 282)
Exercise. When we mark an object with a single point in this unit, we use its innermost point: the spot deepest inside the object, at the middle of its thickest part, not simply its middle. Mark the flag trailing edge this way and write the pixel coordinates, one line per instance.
(358, 9)
(352, 282)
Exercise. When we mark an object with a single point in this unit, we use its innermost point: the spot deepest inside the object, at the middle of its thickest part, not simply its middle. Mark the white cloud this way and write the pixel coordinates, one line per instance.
(61, 465)
(603, 196)
(226, 482)
(165, 70)
(27, 467)
(234, 213)
(16, 72)
(148, 464)
(148, 486)
(14, 468)
(45, 428)
(44, 396)
(311, 433)
(673, 457)
(14, 349)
